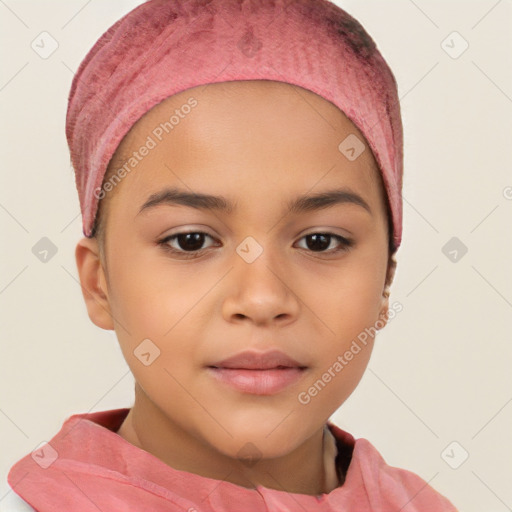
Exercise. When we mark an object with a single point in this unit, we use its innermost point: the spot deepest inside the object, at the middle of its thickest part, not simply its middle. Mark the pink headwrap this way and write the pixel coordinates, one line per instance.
(163, 47)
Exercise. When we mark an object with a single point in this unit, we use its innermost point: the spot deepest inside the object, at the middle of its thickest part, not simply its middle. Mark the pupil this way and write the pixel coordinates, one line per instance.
(193, 241)
(320, 242)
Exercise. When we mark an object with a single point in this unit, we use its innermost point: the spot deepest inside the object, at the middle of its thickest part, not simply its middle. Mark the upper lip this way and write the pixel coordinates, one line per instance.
(250, 360)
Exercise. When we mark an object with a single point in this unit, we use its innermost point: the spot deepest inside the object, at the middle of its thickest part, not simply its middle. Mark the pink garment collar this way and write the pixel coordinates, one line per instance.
(96, 469)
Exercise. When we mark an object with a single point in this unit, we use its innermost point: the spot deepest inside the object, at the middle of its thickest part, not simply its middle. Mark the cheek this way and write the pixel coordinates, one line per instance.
(338, 372)
(349, 301)
(151, 301)
(347, 309)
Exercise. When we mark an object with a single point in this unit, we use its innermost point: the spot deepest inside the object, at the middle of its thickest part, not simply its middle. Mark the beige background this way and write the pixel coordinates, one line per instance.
(441, 369)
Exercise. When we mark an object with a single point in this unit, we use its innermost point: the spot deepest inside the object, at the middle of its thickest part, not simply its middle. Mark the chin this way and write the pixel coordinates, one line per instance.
(253, 442)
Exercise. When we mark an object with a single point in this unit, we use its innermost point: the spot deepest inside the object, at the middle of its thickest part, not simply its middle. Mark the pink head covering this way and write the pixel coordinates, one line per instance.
(163, 47)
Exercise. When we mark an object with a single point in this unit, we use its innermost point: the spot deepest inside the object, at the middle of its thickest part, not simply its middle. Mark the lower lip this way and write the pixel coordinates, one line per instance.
(258, 382)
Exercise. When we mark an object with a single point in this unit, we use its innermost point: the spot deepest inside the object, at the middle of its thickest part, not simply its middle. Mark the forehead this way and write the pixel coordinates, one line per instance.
(261, 102)
(261, 128)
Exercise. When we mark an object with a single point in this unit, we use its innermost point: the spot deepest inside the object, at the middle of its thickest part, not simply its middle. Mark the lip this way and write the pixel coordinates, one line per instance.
(251, 360)
(257, 382)
(258, 373)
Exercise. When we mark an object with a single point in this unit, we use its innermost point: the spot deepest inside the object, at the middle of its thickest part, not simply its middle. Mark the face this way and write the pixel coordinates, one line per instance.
(255, 276)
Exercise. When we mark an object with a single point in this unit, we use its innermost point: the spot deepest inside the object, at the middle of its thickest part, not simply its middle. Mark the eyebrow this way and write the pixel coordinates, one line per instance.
(301, 204)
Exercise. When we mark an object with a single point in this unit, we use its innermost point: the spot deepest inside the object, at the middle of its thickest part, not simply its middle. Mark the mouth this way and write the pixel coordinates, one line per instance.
(257, 373)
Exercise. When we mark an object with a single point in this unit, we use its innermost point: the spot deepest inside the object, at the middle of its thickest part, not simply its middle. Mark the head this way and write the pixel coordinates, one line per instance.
(224, 233)
(257, 277)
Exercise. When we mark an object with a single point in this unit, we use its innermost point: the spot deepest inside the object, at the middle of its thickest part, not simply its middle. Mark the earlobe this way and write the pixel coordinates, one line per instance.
(93, 283)
(390, 274)
(383, 315)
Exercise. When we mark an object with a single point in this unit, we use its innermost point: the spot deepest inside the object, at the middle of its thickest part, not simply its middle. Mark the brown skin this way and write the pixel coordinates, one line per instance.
(259, 144)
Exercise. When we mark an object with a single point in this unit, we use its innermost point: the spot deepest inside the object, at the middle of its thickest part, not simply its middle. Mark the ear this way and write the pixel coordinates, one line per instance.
(93, 282)
(390, 274)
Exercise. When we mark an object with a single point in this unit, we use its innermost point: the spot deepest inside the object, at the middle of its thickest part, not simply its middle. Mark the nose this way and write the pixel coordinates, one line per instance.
(261, 292)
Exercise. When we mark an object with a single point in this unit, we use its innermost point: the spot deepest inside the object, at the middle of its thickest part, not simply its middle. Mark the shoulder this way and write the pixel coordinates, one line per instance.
(86, 440)
(394, 486)
(378, 485)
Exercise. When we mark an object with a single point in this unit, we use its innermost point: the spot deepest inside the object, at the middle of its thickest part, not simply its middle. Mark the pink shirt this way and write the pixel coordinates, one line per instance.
(88, 467)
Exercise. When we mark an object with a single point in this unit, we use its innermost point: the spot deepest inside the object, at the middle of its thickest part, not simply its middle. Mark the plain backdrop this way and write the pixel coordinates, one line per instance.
(438, 387)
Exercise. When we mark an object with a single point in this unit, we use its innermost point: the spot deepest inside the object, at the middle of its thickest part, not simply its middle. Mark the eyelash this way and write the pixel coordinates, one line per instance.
(346, 244)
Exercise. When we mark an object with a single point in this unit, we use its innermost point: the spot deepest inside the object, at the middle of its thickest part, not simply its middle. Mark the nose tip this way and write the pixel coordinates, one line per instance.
(260, 294)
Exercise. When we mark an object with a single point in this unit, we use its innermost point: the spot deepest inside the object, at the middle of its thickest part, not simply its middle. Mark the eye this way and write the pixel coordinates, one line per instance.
(318, 242)
(188, 242)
